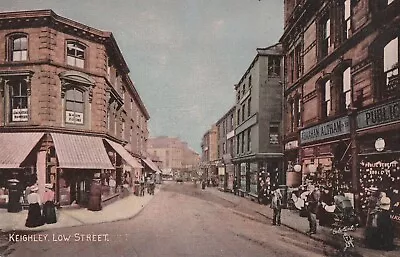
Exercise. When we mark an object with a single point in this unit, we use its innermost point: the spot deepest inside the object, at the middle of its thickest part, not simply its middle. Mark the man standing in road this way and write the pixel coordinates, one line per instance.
(276, 206)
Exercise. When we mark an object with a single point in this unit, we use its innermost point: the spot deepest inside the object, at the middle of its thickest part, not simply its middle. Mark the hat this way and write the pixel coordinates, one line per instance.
(372, 189)
(385, 203)
(96, 175)
(50, 186)
(34, 188)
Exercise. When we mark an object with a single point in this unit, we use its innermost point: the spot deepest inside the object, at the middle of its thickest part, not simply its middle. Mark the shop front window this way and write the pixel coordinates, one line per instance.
(253, 178)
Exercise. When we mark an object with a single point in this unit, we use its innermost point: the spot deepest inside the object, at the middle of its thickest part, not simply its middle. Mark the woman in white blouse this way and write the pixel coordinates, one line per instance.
(35, 218)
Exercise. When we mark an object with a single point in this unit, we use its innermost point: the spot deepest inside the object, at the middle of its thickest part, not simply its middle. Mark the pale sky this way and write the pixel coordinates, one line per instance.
(184, 55)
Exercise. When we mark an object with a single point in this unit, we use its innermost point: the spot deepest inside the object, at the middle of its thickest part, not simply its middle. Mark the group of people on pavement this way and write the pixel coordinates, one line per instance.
(38, 213)
(379, 232)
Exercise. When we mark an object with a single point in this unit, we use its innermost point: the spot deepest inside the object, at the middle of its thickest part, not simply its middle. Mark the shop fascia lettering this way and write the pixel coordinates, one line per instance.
(379, 115)
(330, 129)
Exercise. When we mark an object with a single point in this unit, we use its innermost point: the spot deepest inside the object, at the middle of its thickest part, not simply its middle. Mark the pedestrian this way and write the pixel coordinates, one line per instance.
(112, 183)
(35, 218)
(234, 185)
(276, 206)
(372, 204)
(385, 229)
(312, 208)
(49, 210)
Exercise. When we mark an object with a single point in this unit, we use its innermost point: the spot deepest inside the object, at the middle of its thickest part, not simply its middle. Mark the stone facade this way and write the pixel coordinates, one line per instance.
(61, 76)
(258, 128)
(341, 62)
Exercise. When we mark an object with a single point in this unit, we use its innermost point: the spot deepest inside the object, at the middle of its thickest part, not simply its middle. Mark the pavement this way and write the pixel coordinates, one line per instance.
(292, 220)
(125, 208)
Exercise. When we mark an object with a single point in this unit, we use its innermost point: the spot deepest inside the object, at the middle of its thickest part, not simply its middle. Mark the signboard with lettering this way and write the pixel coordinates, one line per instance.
(291, 145)
(19, 114)
(74, 117)
(337, 127)
(379, 115)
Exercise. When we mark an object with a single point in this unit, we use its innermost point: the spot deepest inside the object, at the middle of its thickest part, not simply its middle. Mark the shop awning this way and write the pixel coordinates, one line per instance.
(130, 160)
(15, 147)
(151, 164)
(81, 152)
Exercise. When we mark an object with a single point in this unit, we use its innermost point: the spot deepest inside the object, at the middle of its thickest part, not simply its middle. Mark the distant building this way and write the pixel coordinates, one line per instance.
(226, 146)
(209, 156)
(258, 130)
(175, 155)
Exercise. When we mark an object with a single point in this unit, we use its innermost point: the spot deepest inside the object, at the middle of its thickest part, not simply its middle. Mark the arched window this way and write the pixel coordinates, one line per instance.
(74, 106)
(76, 54)
(18, 48)
(326, 99)
(391, 68)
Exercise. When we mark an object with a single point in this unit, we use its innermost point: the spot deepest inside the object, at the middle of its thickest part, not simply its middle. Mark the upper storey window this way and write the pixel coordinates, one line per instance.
(75, 104)
(18, 48)
(19, 100)
(76, 54)
(391, 68)
(325, 38)
(347, 18)
(274, 66)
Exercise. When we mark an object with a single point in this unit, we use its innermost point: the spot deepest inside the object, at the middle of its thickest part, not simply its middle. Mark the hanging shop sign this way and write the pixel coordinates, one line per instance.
(291, 145)
(380, 144)
(326, 130)
(379, 115)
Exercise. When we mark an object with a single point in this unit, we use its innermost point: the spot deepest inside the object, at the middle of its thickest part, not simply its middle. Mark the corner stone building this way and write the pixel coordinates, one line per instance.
(67, 107)
(342, 96)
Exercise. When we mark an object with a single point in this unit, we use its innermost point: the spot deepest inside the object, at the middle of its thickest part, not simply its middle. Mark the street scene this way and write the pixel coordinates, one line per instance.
(181, 220)
(196, 128)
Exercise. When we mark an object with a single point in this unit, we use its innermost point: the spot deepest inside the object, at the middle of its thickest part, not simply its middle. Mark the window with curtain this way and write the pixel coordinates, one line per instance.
(326, 99)
(274, 134)
(325, 37)
(391, 68)
(298, 112)
(274, 66)
(74, 106)
(242, 150)
(346, 90)
(249, 140)
(76, 54)
(18, 48)
(249, 107)
(19, 100)
(347, 18)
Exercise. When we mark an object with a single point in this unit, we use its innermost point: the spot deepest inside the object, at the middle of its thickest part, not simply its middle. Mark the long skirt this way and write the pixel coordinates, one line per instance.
(49, 212)
(35, 218)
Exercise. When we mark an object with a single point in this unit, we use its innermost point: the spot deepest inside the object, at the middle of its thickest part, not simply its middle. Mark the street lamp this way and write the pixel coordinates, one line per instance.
(297, 167)
(312, 168)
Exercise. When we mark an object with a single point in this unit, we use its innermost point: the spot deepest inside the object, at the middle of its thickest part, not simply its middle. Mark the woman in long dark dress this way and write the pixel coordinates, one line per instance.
(35, 218)
(49, 210)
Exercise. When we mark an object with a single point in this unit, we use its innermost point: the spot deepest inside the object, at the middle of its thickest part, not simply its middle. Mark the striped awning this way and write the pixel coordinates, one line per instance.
(81, 152)
(15, 147)
(151, 164)
(128, 158)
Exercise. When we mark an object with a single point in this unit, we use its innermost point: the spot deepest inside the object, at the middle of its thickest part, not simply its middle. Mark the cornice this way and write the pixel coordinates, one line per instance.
(48, 18)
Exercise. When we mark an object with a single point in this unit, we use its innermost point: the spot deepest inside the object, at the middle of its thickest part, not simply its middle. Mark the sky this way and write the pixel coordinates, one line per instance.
(184, 55)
